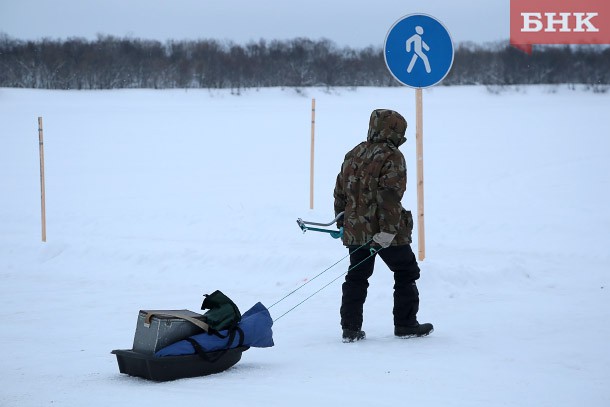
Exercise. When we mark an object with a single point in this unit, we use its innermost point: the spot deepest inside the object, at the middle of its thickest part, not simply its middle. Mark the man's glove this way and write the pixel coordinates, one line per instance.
(384, 238)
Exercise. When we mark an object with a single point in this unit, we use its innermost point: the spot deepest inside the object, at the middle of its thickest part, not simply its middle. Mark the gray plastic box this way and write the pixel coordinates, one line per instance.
(161, 330)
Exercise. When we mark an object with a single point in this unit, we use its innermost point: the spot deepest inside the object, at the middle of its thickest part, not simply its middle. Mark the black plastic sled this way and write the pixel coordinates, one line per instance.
(162, 369)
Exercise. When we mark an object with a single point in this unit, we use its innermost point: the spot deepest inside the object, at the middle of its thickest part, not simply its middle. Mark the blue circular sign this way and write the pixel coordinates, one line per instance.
(418, 51)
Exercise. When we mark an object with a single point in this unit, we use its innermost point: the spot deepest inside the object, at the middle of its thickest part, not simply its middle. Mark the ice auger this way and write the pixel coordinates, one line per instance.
(335, 234)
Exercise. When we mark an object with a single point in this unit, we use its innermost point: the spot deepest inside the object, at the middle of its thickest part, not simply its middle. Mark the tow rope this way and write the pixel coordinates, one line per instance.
(334, 234)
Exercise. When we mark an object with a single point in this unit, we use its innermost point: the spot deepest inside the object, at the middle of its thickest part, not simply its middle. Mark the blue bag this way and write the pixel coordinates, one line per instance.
(253, 330)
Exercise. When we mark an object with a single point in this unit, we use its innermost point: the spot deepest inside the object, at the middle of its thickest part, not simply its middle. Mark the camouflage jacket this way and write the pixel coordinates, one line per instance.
(372, 181)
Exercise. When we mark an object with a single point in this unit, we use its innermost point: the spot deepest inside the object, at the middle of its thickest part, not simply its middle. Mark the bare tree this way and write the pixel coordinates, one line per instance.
(110, 62)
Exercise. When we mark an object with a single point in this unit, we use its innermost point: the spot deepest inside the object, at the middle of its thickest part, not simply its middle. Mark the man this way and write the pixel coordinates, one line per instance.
(368, 190)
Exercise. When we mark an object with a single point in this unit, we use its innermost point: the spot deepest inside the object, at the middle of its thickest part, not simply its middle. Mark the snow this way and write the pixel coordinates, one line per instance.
(155, 198)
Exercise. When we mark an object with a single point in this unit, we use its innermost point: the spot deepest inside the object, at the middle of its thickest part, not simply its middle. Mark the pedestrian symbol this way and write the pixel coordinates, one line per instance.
(418, 43)
(418, 51)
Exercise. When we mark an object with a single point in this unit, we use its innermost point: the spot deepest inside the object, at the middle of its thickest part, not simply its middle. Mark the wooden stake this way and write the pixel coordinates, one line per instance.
(313, 126)
(419, 135)
(42, 188)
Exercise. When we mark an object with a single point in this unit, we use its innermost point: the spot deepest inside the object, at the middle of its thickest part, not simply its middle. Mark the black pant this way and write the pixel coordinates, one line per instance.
(399, 259)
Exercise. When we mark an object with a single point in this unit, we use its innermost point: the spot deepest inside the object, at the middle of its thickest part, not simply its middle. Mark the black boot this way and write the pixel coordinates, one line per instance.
(413, 330)
(351, 335)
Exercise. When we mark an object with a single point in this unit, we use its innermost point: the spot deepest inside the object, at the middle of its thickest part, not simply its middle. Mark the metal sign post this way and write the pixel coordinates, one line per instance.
(418, 52)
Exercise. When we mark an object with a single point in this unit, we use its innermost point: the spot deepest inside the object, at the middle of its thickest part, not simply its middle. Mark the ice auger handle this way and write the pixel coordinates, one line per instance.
(335, 234)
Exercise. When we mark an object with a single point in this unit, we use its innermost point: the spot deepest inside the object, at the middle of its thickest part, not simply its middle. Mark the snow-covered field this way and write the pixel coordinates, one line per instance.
(157, 197)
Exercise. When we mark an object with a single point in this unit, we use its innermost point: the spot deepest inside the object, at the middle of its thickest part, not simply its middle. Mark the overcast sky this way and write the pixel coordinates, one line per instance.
(352, 23)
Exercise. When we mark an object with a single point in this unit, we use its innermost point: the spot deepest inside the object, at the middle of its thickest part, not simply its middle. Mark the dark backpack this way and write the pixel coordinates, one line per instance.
(223, 315)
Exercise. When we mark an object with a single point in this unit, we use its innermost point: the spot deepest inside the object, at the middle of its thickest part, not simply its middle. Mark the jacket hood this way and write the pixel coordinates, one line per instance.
(387, 126)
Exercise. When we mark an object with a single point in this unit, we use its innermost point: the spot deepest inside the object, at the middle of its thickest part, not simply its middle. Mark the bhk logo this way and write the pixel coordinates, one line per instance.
(559, 22)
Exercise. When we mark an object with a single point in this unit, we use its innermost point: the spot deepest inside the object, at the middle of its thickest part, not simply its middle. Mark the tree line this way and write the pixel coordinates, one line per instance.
(111, 62)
